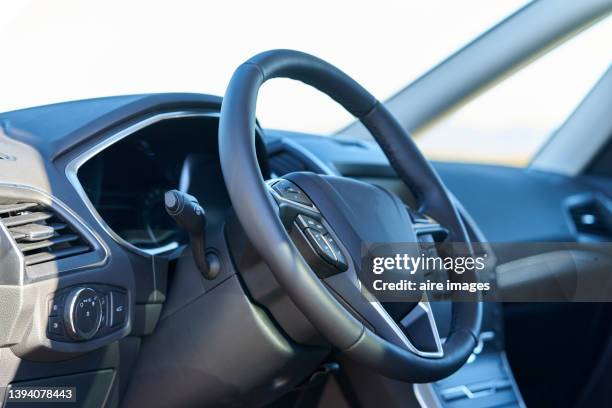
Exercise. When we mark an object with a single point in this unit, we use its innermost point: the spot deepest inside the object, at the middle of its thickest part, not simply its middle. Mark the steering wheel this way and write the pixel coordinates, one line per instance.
(348, 213)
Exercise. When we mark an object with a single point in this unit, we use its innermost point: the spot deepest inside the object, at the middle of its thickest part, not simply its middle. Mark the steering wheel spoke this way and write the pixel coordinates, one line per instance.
(413, 328)
(420, 328)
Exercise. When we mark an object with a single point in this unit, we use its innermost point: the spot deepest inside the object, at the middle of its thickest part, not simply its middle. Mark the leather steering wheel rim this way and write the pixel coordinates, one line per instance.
(252, 203)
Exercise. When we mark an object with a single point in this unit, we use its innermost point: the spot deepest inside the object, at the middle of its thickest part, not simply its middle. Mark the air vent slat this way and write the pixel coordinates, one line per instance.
(57, 226)
(26, 218)
(33, 232)
(47, 243)
(51, 256)
(41, 234)
(19, 235)
(8, 208)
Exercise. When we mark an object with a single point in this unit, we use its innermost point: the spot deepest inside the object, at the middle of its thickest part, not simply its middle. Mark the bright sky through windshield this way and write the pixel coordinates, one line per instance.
(63, 50)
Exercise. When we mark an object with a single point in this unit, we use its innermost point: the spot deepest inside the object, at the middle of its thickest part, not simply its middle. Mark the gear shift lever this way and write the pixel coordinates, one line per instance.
(189, 215)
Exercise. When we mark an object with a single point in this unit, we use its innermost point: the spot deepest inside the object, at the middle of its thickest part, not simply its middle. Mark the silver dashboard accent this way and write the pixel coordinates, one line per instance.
(74, 165)
(12, 259)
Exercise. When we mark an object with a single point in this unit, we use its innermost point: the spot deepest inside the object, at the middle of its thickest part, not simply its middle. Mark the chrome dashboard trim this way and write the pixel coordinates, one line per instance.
(7, 243)
(75, 164)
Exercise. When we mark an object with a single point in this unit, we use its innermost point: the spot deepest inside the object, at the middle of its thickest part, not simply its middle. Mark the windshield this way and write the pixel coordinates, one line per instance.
(66, 50)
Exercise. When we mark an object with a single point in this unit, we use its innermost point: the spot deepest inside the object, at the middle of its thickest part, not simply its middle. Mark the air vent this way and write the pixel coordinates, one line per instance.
(41, 235)
(285, 162)
(592, 217)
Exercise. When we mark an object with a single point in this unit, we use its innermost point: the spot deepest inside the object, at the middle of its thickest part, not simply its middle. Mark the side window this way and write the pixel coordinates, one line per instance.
(510, 121)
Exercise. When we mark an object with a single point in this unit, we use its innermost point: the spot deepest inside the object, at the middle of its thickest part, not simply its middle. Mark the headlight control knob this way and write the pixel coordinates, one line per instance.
(82, 313)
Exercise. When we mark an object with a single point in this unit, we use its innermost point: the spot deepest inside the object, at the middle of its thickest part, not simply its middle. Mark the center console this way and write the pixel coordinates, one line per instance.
(485, 381)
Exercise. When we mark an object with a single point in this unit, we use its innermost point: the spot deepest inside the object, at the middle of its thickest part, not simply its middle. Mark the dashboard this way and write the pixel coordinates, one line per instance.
(90, 175)
(103, 165)
(126, 181)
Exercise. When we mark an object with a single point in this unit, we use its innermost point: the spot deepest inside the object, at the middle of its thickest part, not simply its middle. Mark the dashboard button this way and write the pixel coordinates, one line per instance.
(55, 305)
(82, 313)
(340, 258)
(86, 316)
(320, 245)
(305, 221)
(104, 306)
(118, 308)
(56, 326)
